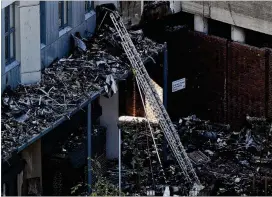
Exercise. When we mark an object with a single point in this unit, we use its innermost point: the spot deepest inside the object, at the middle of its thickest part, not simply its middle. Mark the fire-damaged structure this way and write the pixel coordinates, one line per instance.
(232, 162)
(55, 132)
(63, 113)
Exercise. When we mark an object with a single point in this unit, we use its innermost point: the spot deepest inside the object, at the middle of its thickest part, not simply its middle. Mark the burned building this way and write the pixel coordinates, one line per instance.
(62, 98)
(51, 127)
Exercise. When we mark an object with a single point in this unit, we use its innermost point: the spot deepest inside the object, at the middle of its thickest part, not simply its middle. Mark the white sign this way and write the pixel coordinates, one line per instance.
(178, 85)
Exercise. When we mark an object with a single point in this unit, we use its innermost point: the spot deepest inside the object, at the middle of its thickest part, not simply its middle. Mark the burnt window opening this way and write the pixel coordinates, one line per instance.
(258, 39)
(219, 29)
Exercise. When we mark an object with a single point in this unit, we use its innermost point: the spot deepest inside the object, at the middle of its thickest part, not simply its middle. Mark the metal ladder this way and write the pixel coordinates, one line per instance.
(152, 97)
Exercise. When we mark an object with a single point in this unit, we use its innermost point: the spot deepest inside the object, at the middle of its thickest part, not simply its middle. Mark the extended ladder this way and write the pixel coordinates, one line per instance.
(152, 97)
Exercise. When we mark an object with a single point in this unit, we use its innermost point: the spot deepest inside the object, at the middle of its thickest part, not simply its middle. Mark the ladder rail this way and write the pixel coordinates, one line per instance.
(148, 88)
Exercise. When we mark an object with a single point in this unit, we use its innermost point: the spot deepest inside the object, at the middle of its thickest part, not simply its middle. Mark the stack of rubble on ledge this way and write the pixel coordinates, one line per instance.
(30, 109)
(147, 48)
(239, 163)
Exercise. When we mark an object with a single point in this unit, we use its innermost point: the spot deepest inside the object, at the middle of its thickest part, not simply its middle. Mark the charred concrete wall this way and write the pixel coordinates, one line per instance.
(225, 81)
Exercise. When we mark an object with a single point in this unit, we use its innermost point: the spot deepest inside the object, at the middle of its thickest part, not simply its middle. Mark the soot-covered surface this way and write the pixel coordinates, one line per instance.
(64, 86)
(239, 161)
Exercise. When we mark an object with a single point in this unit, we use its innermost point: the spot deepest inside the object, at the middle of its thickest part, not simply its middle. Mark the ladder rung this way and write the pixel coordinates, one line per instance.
(147, 87)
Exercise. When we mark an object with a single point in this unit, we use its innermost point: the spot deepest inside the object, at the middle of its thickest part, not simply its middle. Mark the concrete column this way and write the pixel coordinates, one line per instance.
(200, 24)
(109, 119)
(175, 6)
(238, 34)
(142, 6)
(29, 46)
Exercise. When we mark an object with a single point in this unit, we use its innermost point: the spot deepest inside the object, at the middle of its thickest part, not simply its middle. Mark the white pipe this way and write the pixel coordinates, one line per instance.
(120, 190)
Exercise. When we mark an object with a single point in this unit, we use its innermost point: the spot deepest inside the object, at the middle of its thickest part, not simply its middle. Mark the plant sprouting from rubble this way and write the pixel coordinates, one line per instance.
(102, 186)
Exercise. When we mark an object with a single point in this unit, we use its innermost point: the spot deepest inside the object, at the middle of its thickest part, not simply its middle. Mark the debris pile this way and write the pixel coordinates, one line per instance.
(233, 163)
(67, 164)
(141, 171)
(29, 110)
(241, 162)
(147, 48)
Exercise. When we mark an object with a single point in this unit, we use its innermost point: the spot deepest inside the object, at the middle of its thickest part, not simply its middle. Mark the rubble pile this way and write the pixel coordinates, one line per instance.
(239, 163)
(69, 159)
(28, 110)
(147, 48)
(65, 85)
(141, 170)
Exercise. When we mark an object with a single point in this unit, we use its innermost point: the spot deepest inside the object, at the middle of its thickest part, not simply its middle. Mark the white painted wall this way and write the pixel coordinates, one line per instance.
(200, 24)
(29, 47)
(5, 3)
(109, 119)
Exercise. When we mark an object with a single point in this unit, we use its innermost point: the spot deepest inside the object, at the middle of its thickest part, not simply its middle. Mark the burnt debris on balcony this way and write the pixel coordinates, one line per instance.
(147, 48)
(230, 163)
(92, 68)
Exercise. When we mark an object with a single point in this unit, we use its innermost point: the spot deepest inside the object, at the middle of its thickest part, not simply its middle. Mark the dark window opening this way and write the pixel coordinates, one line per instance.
(42, 22)
(258, 39)
(9, 34)
(219, 29)
(89, 5)
(63, 14)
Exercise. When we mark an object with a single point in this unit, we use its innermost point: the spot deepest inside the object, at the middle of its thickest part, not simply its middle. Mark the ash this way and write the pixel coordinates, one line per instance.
(30, 109)
(239, 162)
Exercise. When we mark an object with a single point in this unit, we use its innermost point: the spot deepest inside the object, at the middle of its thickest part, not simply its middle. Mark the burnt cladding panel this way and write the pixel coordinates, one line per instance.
(245, 82)
(179, 66)
(201, 59)
(209, 65)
